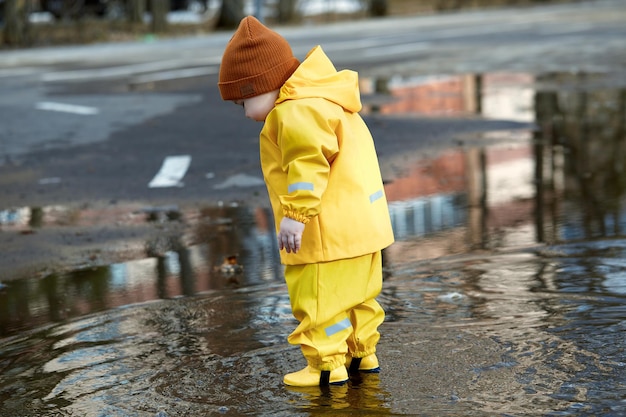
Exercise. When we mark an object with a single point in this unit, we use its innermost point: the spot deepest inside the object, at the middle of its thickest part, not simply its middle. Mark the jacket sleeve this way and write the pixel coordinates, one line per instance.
(308, 144)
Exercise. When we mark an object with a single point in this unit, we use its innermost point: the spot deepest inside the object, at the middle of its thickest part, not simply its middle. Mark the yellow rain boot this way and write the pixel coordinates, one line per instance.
(368, 364)
(312, 377)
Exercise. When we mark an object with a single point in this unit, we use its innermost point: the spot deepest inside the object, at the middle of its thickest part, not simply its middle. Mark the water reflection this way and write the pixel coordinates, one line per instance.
(232, 246)
(362, 395)
(560, 182)
(558, 313)
(535, 331)
(533, 326)
(582, 132)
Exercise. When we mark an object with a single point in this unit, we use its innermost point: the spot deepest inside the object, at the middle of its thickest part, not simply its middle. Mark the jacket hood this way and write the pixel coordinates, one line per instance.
(316, 77)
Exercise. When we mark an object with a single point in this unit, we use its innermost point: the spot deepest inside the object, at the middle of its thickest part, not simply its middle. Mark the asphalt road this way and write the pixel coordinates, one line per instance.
(87, 124)
(133, 104)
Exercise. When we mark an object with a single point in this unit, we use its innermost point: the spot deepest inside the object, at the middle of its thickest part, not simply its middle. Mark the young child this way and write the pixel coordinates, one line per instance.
(325, 188)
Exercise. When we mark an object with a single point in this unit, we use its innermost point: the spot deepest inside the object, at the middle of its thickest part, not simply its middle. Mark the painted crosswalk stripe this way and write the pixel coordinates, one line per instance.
(66, 108)
(172, 171)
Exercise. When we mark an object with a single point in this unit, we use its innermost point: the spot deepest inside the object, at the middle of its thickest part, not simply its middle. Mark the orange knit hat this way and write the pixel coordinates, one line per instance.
(256, 60)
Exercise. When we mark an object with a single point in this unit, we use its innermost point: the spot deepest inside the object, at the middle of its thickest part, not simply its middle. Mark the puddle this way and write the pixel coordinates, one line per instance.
(231, 247)
(505, 291)
(559, 181)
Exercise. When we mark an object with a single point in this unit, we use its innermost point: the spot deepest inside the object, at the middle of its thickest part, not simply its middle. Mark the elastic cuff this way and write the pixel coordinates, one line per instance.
(363, 353)
(294, 215)
(329, 366)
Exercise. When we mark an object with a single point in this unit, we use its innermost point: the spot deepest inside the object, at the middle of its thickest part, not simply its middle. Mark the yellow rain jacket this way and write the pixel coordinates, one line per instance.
(320, 165)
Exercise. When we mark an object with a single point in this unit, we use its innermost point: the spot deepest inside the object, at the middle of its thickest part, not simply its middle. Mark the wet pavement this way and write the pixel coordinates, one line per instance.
(505, 292)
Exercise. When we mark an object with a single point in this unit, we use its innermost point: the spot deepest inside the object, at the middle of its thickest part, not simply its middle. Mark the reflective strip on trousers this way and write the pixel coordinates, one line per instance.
(337, 327)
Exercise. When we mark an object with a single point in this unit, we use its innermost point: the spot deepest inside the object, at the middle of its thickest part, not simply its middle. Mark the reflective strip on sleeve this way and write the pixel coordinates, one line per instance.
(308, 186)
(377, 195)
(337, 327)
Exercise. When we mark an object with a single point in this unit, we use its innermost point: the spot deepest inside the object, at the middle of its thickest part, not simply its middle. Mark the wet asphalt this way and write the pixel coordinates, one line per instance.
(105, 162)
(114, 172)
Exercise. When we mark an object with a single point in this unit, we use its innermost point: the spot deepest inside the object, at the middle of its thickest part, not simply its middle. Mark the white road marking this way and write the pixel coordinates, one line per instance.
(174, 75)
(125, 70)
(399, 49)
(172, 171)
(18, 72)
(66, 108)
(240, 180)
(49, 180)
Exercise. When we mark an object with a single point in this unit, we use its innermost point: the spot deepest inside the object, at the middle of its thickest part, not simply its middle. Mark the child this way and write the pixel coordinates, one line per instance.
(325, 188)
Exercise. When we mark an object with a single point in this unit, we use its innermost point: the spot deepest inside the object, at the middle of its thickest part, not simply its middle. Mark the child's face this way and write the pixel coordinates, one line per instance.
(258, 107)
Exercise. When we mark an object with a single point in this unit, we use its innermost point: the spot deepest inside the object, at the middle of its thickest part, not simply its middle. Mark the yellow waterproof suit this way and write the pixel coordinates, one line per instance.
(320, 167)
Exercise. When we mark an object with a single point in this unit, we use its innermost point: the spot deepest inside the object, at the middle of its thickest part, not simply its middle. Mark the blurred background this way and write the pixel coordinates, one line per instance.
(36, 22)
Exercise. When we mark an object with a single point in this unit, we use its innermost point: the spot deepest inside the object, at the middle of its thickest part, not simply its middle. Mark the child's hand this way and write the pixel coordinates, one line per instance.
(290, 235)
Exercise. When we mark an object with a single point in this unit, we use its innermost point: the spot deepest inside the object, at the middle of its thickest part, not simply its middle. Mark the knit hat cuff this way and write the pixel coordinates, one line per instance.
(258, 84)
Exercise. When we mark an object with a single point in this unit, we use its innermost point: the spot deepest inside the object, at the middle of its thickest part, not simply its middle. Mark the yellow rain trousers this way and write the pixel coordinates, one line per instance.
(336, 307)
